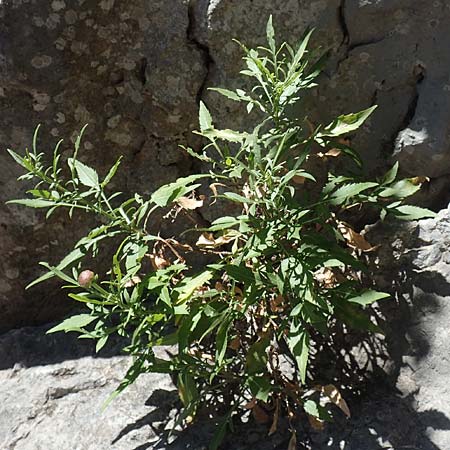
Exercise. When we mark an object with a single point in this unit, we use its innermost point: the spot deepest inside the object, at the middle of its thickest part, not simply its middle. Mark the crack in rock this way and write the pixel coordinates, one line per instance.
(203, 48)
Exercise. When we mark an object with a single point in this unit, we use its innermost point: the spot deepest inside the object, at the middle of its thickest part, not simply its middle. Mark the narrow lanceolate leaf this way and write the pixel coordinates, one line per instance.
(73, 323)
(227, 93)
(347, 123)
(298, 342)
(368, 297)
(33, 202)
(270, 32)
(224, 223)
(240, 273)
(409, 212)
(236, 197)
(391, 175)
(111, 172)
(342, 194)
(188, 288)
(87, 175)
(67, 261)
(204, 118)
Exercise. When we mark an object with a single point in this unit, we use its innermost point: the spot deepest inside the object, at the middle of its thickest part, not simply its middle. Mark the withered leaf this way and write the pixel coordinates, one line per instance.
(355, 239)
(336, 398)
(298, 179)
(235, 343)
(326, 277)
(158, 262)
(276, 304)
(260, 414)
(276, 416)
(189, 203)
(333, 152)
(316, 423)
(207, 240)
(251, 404)
(293, 442)
(419, 180)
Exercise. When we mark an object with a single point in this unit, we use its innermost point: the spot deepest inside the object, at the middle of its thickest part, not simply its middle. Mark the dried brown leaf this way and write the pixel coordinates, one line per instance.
(326, 277)
(293, 442)
(189, 203)
(213, 188)
(298, 179)
(235, 343)
(333, 152)
(276, 304)
(158, 261)
(316, 423)
(132, 281)
(276, 416)
(251, 404)
(336, 398)
(207, 240)
(354, 239)
(260, 414)
(419, 180)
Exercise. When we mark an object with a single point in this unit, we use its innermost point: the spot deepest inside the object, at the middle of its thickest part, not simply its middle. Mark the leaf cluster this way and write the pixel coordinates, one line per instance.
(285, 269)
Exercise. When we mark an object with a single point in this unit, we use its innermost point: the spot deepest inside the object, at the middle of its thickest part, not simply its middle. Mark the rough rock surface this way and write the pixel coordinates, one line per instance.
(52, 389)
(136, 70)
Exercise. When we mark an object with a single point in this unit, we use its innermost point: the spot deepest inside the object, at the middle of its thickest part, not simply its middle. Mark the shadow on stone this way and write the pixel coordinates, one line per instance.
(30, 346)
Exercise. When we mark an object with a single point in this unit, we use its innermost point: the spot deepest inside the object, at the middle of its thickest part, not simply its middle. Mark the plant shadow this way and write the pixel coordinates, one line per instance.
(376, 374)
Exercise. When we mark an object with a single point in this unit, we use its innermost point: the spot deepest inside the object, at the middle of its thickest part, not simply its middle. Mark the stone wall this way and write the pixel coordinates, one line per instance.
(136, 70)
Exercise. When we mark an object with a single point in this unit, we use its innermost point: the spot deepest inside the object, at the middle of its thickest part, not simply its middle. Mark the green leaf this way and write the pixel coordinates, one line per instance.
(172, 191)
(347, 123)
(205, 119)
(368, 297)
(73, 323)
(187, 388)
(401, 189)
(224, 223)
(227, 93)
(112, 172)
(270, 33)
(191, 284)
(101, 343)
(74, 256)
(352, 315)
(315, 409)
(87, 176)
(256, 359)
(236, 197)
(220, 432)
(409, 212)
(260, 387)
(225, 135)
(391, 174)
(339, 196)
(240, 273)
(301, 51)
(298, 342)
(33, 202)
(18, 159)
(222, 341)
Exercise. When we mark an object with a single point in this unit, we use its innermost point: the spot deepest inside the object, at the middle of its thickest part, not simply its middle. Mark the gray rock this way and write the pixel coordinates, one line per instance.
(136, 71)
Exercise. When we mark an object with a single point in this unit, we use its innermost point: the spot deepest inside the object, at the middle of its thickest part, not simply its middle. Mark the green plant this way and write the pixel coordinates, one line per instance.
(286, 267)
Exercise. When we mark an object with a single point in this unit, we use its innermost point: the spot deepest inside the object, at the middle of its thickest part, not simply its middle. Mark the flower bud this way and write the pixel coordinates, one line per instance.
(85, 278)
